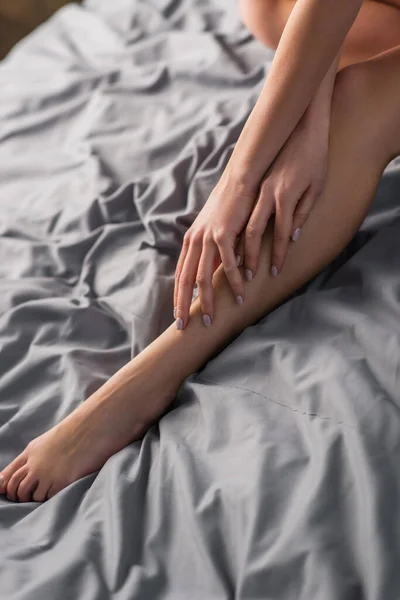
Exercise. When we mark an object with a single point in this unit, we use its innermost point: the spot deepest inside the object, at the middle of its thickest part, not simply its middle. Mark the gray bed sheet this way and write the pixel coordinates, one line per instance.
(276, 473)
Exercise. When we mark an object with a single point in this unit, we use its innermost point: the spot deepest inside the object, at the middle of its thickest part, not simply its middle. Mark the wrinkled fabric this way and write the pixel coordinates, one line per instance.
(276, 473)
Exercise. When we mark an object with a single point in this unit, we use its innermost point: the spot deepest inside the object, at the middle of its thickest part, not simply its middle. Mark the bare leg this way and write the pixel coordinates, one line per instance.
(364, 136)
(376, 28)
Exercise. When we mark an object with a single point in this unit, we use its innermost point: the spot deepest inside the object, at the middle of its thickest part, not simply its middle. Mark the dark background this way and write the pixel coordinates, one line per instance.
(19, 17)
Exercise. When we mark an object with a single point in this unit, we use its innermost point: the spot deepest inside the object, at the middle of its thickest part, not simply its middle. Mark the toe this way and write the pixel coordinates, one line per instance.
(54, 489)
(9, 471)
(40, 493)
(14, 482)
(27, 488)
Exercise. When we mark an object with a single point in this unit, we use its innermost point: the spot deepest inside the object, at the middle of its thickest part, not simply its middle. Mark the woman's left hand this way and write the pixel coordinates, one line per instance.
(289, 189)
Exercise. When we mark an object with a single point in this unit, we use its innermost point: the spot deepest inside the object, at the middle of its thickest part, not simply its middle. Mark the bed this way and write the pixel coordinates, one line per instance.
(276, 473)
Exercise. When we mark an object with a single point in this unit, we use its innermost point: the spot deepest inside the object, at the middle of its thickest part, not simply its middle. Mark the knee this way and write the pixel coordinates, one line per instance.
(355, 101)
(351, 87)
(250, 8)
(260, 16)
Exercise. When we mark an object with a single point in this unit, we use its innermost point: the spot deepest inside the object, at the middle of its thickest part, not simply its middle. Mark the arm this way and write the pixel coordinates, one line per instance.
(295, 180)
(315, 31)
(319, 110)
(309, 44)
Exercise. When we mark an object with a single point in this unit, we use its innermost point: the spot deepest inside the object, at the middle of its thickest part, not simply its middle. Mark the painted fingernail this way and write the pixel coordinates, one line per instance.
(175, 313)
(207, 320)
(239, 299)
(296, 234)
(248, 274)
(238, 259)
(274, 271)
(179, 323)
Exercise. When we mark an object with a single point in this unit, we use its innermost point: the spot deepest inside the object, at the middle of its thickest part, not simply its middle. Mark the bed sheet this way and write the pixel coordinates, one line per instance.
(275, 475)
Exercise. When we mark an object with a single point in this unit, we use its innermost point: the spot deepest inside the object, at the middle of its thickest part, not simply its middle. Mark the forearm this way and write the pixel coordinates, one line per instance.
(318, 111)
(307, 49)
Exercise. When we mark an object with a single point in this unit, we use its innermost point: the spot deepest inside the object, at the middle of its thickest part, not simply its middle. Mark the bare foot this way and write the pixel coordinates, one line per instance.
(83, 441)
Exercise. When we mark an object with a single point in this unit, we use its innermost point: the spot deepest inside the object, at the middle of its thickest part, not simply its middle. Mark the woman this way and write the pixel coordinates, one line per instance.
(280, 165)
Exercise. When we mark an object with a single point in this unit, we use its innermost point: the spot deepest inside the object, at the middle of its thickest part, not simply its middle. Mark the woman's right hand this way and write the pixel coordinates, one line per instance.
(212, 237)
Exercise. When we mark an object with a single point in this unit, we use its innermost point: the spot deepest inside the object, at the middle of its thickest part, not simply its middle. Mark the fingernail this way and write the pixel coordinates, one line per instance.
(239, 299)
(248, 274)
(175, 313)
(179, 323)
(274, 271)
(238, 259)
(207, 320)
(296, 234)
(1, 481)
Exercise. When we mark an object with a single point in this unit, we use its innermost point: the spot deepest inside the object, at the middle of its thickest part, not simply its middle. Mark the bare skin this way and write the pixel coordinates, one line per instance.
(375, 29)
(364, 136)
(311, 39)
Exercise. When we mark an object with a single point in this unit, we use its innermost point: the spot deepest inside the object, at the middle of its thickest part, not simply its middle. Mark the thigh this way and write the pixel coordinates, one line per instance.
(373, 86)
(375, 29)
(395, 3)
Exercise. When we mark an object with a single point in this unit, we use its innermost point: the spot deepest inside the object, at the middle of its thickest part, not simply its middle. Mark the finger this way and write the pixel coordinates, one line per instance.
(239, 251)
(204, 281)
(181, 261)
(217, 262)
(187, 280)
(302, 211)
(282, 231)
(255, 230)
(227, 252)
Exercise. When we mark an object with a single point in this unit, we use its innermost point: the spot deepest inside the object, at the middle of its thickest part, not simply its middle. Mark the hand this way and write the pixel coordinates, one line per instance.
(290, 189)
(212, 236)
